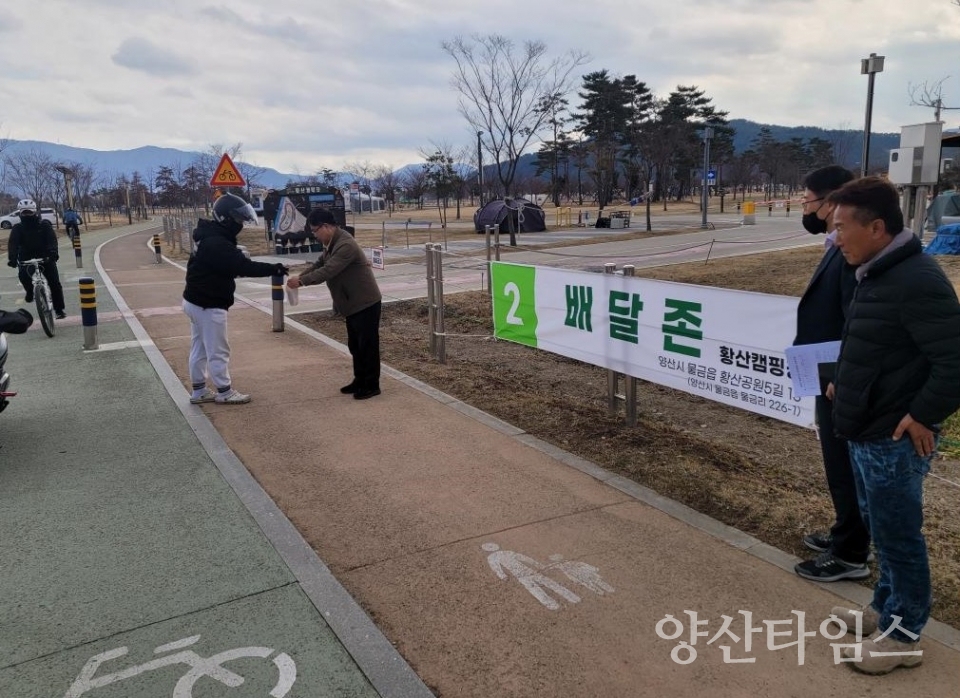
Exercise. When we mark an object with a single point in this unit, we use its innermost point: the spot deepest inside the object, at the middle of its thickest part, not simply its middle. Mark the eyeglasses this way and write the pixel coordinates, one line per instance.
(812, 201)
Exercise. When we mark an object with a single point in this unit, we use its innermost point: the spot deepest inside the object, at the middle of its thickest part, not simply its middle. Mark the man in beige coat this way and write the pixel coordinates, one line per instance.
(345, 269)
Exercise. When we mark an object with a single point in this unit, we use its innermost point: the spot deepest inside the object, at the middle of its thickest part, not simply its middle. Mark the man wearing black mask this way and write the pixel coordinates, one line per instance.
(34, 238)
(820, 318)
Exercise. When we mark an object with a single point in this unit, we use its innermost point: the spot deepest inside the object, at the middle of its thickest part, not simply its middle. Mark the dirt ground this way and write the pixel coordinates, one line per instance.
(759, 475)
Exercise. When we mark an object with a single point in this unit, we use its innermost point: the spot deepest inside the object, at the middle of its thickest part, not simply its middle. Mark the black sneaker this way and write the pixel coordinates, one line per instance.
(28, 298)
(60, 315)
(830, 568)
(350, 389)
(822, 542)
(818, 542)
(364, 393)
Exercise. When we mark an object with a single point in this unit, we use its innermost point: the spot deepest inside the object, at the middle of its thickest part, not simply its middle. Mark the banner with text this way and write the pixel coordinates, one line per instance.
(720, 344)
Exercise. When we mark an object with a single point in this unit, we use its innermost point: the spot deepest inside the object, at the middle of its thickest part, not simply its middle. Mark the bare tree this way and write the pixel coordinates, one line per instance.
(4, 143)
(503, 90)
(844, 142)
(386, 182)
(415, 184)
(929, 95)
(32, 172)
(363, 170)
(84, 177)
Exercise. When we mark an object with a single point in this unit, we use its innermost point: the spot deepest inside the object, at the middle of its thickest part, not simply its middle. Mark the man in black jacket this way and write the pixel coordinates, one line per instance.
(211, 283)
(820, 317)
(898, 376)
(34, 238)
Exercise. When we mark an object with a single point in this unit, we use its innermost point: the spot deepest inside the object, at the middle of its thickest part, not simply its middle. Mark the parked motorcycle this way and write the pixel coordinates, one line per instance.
(15, 322)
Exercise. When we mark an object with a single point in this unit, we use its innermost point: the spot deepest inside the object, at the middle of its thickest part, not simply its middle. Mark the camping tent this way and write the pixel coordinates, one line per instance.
(527, 217)
(947, 204)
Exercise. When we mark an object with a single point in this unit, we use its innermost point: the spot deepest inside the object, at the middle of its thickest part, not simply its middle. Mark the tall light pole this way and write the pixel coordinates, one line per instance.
(480, 165)
(869, 67)
(705, 194)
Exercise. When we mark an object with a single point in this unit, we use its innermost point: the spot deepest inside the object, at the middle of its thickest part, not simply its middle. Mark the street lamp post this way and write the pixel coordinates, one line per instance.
(705, 194)
(869, 67)
(480, 165)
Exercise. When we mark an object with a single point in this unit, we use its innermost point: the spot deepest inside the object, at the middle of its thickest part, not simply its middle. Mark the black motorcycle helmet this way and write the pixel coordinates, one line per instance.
(232, 212)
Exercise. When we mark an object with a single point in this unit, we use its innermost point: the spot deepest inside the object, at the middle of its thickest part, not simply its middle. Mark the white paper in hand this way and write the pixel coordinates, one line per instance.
(293, 295)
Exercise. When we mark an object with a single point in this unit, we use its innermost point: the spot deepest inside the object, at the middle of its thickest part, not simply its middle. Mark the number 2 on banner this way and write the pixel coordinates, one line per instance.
(511, 289)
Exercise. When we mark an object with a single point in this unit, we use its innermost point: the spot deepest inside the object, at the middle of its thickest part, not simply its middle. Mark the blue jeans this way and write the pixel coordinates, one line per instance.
(889, 477)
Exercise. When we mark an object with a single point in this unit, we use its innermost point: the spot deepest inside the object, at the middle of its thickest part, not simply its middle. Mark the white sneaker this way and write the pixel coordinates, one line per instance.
(869, 619)
(232, 397)
(206, 396)
(875, 656)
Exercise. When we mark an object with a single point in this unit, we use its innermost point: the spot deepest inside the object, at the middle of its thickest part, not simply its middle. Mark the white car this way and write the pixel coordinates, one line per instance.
(11, 219)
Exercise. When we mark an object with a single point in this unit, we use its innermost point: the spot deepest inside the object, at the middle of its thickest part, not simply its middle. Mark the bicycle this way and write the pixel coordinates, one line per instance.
(41, 294)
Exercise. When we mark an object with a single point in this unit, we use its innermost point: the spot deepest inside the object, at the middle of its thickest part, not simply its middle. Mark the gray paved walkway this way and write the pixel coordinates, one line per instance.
(121, 532)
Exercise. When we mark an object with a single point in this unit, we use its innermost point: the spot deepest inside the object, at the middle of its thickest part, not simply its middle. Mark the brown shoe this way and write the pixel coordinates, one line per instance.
(883, 656)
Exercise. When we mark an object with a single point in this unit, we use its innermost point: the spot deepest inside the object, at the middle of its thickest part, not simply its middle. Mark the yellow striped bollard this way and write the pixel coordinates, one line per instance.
(276, 286)
(77, 251)
(156, 248)
(88, 313)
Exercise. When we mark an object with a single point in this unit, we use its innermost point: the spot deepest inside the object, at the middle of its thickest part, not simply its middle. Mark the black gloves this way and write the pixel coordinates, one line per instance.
(280, 270)
(12, 263)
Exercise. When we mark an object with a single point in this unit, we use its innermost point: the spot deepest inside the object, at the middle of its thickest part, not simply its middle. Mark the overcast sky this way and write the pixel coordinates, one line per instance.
(306, 84)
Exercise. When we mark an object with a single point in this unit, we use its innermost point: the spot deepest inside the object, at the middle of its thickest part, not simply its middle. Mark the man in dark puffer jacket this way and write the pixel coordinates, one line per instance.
(898, 375)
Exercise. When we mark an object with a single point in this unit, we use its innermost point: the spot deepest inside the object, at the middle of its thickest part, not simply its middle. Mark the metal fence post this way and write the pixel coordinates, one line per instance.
(438, 297)
(431, 305)
(612, 376)
(496, 242)
(276, 293)
(383, 234)
(486, 235)
(88, 313)
(630, 388)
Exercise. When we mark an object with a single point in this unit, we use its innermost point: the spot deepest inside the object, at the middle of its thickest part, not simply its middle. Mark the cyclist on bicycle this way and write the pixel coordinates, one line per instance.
(34, 238)
(72, 221)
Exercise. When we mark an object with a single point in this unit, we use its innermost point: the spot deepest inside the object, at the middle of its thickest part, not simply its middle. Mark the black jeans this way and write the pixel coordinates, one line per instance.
(53, 278)
(851, 540)
(363, 340)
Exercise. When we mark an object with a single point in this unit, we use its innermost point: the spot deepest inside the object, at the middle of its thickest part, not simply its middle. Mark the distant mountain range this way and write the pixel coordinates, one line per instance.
(149, 159)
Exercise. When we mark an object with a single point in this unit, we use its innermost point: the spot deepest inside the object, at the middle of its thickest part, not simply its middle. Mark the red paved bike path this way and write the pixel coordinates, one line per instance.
(406, 496)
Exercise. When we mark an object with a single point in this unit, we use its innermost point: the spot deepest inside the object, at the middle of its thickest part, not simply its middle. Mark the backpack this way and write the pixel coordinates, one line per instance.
(15, 322)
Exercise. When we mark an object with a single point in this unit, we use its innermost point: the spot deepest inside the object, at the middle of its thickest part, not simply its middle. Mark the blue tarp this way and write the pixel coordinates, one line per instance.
(946, 241)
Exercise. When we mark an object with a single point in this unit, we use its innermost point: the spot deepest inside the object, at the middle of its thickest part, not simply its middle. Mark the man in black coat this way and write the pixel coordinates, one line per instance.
(34, 238)
(898, 376)
(820, 317)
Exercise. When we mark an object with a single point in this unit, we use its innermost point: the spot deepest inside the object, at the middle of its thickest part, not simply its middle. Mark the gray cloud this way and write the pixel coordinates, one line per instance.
(303, 86)
(10, 23)
(287, 29)
(145, 56)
